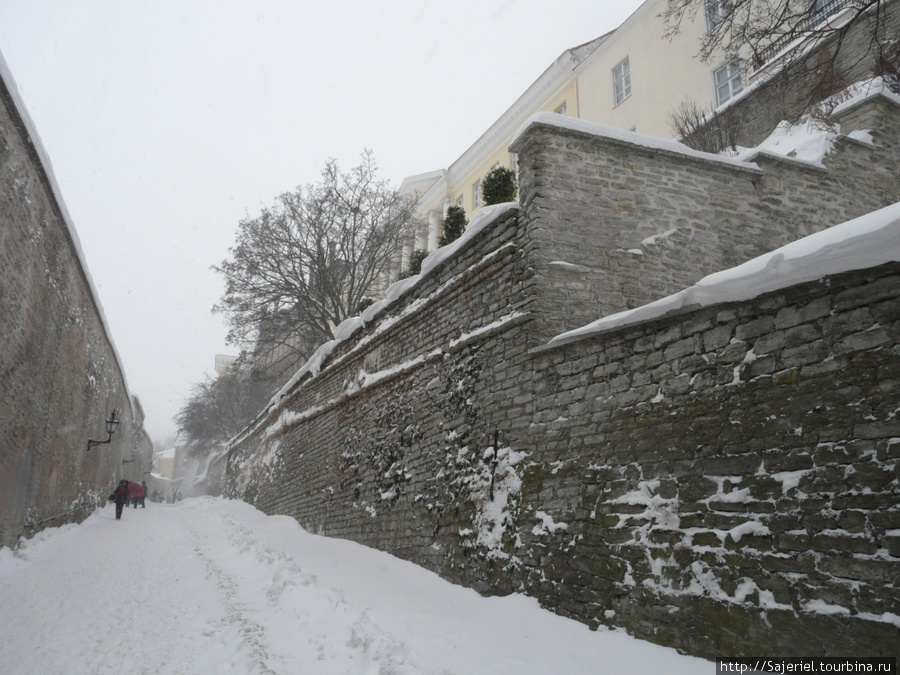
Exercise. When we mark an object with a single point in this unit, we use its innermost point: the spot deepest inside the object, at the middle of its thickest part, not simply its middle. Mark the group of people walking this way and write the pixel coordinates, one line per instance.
(128, 492)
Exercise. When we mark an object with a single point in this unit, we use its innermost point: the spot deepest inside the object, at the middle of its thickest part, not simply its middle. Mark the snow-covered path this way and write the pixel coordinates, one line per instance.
(215, 586)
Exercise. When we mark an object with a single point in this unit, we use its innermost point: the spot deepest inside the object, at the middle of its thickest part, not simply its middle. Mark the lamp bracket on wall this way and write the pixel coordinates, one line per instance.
(111, 425)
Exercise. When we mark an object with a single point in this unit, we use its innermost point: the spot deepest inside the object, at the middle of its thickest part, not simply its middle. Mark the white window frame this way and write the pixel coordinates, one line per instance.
(476, 194)
(732, 70)
(716, 11)
(461, 202)
(561, 110)
(621, 74)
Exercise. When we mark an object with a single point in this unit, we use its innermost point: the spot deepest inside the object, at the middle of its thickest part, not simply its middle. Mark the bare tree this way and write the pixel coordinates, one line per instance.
(700, 128)
(889, 67)
(783, 31)
(218, 409)
(767, 26)
(304, 264)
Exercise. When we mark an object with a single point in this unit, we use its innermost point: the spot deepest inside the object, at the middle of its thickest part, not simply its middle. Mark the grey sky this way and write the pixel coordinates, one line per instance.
(169, 121)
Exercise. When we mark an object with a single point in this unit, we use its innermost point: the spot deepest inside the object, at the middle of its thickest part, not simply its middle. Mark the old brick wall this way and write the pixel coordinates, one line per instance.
(726, 481)
(618, 220)
(59, 374)
(722, 481)
(384, 446)
(705, 480)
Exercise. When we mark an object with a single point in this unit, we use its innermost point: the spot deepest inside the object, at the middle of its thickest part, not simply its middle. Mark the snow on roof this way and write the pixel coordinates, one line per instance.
(862, 91)
(420, 181)
(867, 241)
(582, 51)
(804, 142)
(18, 102)
(605, 131)
(809, 141)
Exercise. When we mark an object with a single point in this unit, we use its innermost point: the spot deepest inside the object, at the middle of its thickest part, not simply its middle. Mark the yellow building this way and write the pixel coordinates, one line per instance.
(631, 78)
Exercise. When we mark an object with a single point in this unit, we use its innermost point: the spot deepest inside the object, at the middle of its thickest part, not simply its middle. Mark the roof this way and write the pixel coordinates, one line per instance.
(553, 77)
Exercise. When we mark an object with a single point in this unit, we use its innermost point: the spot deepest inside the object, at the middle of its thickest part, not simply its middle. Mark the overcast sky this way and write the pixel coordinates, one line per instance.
(167, 121)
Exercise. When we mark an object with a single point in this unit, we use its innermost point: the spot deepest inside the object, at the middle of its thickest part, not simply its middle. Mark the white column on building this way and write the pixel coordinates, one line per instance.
(405, 255)
(434, 229)
(422, 229)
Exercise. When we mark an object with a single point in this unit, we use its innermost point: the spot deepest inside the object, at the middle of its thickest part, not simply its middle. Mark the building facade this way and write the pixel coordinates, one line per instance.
(631, 78)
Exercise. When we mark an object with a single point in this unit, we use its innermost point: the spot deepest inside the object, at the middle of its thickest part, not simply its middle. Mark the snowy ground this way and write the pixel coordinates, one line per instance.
(215, 586)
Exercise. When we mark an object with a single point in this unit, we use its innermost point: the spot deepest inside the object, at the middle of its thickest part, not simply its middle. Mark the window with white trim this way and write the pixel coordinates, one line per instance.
(728, 81)
(561, 110)
(817, 6)
(460, 201)
(716, 11)
(476, 194)
(621, 81)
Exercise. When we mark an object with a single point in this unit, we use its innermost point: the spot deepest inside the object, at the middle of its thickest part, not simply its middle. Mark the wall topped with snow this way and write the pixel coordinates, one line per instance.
(728, 477)
(381, 437)
(59, 371)
(696, 478)
(785, 93)
(619, 220)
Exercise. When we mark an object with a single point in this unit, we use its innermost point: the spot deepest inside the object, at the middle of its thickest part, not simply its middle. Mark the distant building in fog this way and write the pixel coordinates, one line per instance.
(224, 363)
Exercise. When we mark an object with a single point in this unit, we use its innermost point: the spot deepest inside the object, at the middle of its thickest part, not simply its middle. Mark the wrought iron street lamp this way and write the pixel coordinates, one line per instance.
(111, 425)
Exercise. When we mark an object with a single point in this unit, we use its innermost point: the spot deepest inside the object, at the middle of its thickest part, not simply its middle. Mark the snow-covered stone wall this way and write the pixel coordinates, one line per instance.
(620, 219)
(59, 374)
(385, 442)
(723, 480)
(776, 93)
(728, 480)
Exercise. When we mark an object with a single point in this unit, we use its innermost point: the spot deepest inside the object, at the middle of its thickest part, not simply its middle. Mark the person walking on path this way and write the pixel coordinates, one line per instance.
(134, 492)
(120, 497)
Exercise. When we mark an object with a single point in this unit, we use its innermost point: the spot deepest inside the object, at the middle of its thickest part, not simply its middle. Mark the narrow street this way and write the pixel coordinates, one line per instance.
(214, 586)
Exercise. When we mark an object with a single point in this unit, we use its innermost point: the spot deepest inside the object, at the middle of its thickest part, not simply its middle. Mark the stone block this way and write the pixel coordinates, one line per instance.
(869, 570)
(887, 288)
(794, 315)
(866, 340)
(770, 342)
(892, 545)
(877, 429)
(791, 541)
(733, 465)
(755, 328)
(843, 543)
(717, 338)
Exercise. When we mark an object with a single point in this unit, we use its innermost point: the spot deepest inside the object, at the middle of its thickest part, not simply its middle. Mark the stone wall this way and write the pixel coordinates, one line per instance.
(59, 373)
(704, 480)
(727, 481)
(619, 220)
(785, 93)
(381, 445)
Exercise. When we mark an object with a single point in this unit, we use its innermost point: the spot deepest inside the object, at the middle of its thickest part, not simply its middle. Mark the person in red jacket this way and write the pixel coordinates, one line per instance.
(134, 491)
(120, 497)
(143, 496)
